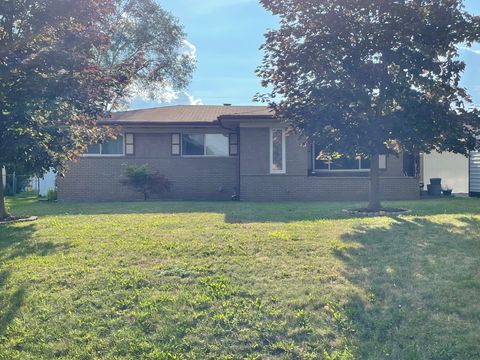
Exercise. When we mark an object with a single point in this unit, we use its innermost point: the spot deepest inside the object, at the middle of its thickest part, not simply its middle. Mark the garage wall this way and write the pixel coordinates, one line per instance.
(451, 168)
(475, 173)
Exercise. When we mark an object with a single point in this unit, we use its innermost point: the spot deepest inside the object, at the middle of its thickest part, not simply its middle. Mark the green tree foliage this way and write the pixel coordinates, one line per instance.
(141, 180)
(363, 78)
(143, 27)
(55, 80)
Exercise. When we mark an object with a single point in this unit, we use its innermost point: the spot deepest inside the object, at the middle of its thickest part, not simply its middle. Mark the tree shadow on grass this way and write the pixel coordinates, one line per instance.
(10, 301)
(241, 212)
(419, 285)
(16, 242)
(20, 241)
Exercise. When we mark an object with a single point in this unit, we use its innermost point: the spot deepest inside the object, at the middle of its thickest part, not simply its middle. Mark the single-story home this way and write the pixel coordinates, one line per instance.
(225, 152)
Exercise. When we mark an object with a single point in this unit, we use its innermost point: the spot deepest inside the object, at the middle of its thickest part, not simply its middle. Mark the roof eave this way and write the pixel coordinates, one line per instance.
(157, 123)
(246, 117)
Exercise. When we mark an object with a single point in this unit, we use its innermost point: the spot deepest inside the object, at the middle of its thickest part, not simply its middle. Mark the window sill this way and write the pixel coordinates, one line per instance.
(102, 155)
(205, 156)
(337, 173)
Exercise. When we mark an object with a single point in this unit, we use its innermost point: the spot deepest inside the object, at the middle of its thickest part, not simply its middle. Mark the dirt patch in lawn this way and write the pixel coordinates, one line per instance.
(381, 212)
(13, 219)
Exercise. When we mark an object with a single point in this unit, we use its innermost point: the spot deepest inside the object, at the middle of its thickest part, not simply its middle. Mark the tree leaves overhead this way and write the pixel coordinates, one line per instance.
(372, 76)
(64, 63)
(51, 89)
(143, 27)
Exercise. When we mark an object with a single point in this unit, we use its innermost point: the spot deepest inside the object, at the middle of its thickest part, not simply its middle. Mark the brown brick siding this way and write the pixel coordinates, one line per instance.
(199, 178)
(204, 178)
(98, 179)
(303, 188)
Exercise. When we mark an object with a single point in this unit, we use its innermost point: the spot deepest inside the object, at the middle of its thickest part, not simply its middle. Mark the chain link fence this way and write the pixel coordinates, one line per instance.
(18, 184)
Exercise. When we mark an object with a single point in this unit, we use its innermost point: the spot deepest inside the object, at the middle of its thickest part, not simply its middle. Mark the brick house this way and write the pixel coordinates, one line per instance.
(216, 152)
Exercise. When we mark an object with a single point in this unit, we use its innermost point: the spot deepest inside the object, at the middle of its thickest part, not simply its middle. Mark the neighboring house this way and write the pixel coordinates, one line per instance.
(474, 170)
(458, 172)
(44, 184)
(452, 168)
(219, 152)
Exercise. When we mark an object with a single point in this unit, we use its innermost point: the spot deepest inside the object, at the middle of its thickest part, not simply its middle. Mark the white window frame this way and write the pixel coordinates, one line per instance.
(109, 155)
(284, 151)
(204, 146)
(129, 143)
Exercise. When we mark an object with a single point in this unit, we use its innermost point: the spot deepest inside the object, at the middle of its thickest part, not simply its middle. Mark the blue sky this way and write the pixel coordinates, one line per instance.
(227, 35)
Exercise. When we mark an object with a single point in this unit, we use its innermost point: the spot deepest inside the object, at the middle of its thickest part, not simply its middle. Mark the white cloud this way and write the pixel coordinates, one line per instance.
(160, 92)
(163, 93)
(189, 49)
(192, 100)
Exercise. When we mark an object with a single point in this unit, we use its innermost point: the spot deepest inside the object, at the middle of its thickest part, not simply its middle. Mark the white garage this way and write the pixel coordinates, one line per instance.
(475, 174)
(451, 168)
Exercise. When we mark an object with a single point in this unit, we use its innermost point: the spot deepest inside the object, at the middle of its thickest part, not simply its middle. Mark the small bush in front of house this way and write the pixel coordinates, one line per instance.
(141, 180)
(51, 195)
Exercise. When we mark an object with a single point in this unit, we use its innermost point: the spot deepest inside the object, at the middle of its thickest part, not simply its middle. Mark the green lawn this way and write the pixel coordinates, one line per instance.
(240, 281)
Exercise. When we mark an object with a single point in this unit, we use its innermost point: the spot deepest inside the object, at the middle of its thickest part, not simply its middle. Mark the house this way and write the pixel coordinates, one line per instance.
(220, 152)
(452, 168)
(474, 174)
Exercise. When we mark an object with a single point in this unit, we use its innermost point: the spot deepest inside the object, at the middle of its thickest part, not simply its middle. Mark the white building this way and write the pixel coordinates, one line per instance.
(451, 168)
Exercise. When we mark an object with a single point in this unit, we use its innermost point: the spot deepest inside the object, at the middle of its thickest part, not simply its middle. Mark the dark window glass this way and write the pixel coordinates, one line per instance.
(93, 149)
(365, 164)
(277, 150)
(193, 144)
(113, 147)
(344, 164)
(320, 164)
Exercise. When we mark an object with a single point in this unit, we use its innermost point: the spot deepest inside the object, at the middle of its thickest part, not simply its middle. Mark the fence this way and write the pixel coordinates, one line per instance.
(17, 184)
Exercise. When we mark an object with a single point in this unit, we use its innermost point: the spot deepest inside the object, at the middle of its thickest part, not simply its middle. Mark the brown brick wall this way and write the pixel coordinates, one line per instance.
(98, 179)
(303, 188)
(257, 184)
(196, 178)
(204, 178)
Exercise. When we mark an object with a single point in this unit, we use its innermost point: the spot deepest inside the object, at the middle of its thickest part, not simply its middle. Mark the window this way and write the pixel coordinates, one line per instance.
(342, 164)
(129, 144)
(277, 151)
(216, 145)
(382, 162)
(113, 147)
(176, 144)
(205, 145)
(233, 144)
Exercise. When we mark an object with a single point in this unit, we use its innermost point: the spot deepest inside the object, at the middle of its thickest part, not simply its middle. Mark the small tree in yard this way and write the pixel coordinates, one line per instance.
(364, 78)
(141, 180)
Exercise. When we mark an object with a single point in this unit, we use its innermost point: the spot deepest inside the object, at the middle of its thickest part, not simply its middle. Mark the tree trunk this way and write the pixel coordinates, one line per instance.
(374, 195)
(3, 210)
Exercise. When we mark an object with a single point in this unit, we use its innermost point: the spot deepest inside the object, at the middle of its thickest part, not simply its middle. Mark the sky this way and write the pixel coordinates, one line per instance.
(226, 36)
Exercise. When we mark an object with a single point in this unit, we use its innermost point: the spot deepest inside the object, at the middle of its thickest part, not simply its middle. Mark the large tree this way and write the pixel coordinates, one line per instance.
(370, 77)
(64, 63)
(143, 27)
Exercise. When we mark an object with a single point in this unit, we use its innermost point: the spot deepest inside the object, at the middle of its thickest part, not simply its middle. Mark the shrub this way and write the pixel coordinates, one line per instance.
(141, 180)
(52, 195)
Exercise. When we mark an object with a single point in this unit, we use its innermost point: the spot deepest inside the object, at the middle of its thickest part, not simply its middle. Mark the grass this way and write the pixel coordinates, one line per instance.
(186, 280)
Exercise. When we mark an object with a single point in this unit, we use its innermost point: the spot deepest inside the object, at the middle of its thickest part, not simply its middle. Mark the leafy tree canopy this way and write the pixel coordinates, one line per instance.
(363, 77)
(143, 27)
(63, 64)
